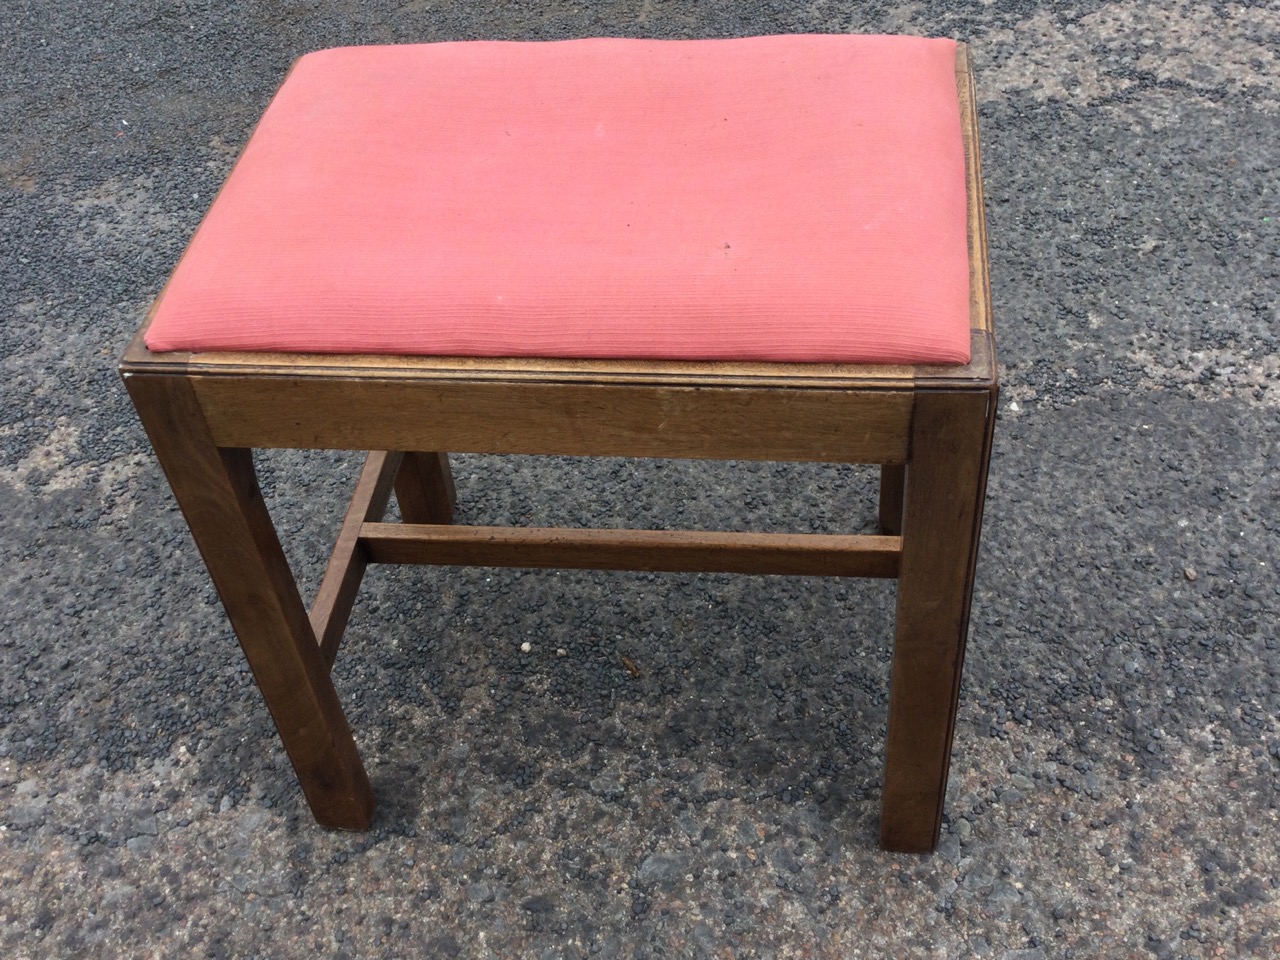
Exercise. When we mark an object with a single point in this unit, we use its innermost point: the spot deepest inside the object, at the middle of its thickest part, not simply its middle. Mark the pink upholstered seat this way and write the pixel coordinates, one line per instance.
(797, 198)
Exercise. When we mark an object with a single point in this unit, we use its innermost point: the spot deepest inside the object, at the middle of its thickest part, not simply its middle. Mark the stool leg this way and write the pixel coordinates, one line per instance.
(424, 488)
(219, 496)
(946, 483)
(893, 477)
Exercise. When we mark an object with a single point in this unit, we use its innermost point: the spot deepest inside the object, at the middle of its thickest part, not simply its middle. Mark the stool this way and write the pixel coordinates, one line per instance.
(770, 248)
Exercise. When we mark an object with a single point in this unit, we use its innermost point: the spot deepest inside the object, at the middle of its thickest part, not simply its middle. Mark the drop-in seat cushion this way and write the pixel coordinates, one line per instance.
(794, 198)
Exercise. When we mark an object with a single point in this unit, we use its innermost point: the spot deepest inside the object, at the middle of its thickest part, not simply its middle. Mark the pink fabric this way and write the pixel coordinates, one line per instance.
(792, 198)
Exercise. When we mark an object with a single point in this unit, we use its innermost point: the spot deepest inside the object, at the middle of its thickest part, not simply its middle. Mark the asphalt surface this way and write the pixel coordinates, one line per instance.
(1116, 776)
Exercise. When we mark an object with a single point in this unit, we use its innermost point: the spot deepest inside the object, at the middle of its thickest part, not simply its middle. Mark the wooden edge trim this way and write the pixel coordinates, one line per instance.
(979, 373)
(650, 550)
(137, 359)
(979, 265)
(337, 594)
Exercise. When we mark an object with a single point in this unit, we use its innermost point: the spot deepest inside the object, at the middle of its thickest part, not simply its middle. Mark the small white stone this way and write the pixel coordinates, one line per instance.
(526, 647)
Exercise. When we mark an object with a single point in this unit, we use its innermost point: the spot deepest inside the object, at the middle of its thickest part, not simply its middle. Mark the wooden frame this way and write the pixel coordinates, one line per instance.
(928, 427)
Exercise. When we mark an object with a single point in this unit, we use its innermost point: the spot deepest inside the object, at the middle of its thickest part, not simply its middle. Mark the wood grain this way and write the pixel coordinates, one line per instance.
(893, 478)
(424, 488)
(569, 419)
(337, 594)
(218, 493)
(979, 265)
(946, 481)
(667, 550)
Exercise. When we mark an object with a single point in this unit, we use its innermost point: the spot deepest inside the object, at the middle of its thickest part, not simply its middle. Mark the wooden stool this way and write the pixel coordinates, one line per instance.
(769, 249)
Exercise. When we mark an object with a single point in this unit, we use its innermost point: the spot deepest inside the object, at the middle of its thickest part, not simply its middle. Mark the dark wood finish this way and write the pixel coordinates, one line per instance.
(251, 367)
(941, 515)
(337, 594)
(569, 419)
(669, 550)
(946, 481)
(218, 493)
(979, 269)
(929, 427)
(424, 488)
(893, 478)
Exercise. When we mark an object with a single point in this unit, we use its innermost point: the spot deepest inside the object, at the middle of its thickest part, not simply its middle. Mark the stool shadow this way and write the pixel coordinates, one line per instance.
(785, 704)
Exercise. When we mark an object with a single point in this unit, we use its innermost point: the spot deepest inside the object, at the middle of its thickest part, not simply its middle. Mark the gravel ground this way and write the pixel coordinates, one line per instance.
(1116, 777)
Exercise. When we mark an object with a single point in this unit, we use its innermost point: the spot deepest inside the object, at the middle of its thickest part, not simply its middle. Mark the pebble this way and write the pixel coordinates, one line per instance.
(662, 869)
